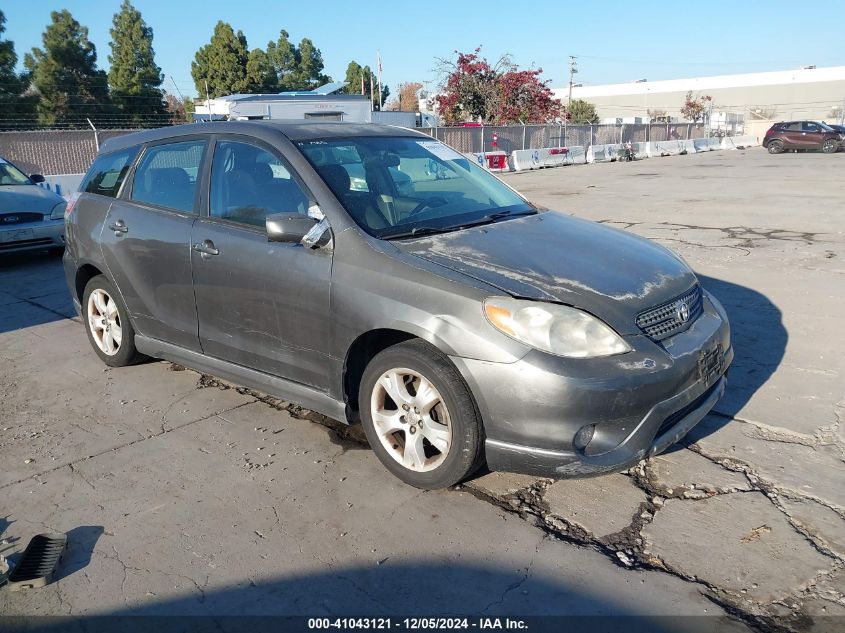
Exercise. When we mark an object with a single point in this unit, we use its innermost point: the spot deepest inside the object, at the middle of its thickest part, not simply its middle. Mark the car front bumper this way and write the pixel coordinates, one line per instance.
(637, 404)
(32, 236)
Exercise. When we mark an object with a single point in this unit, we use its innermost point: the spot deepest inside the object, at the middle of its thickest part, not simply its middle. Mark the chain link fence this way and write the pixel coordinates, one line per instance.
(508, 138)
(72, 151)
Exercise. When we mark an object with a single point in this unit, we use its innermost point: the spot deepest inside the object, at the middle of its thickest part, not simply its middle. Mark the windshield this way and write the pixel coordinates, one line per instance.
(400, 187)
(11, 175)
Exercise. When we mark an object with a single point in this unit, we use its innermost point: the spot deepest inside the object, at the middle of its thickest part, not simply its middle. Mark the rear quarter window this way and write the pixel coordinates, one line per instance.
(108, 172)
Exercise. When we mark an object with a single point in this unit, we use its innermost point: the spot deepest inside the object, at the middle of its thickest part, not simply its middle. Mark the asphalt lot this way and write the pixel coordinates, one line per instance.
(183, 495)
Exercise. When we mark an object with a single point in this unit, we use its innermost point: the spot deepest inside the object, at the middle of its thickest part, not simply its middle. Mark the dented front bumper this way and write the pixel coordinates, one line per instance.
(635, 404)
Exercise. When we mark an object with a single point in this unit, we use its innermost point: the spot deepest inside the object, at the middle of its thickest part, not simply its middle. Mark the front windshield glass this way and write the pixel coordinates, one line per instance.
(11, 175)
(401, 187)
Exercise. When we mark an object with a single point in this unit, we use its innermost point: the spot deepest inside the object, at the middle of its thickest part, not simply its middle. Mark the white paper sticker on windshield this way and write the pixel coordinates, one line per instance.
(443, 152)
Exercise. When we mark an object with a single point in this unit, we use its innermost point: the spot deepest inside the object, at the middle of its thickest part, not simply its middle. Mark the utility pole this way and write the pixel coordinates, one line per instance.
(573, 68)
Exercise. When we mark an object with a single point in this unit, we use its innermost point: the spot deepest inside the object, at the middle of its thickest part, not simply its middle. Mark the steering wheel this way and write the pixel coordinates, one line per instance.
(435, 201)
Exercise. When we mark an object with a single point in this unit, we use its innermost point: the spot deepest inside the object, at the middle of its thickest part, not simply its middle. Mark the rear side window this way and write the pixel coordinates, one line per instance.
(108, 173)
(793, 127)
(166, 175)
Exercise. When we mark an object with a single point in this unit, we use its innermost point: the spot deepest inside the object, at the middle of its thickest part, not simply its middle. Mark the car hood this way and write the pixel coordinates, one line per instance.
(32, 198)
(550, 256)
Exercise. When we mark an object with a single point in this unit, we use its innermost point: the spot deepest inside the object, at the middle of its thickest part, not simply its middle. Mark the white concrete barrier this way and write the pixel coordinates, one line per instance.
(600, 153)
(63, 184)
(666, 148)
(484, 159)
(739, 142)
(578, 154)
(687, 146)
(525, 159)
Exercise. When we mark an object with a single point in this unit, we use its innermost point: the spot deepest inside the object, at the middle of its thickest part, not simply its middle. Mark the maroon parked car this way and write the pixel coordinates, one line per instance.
(805, 135)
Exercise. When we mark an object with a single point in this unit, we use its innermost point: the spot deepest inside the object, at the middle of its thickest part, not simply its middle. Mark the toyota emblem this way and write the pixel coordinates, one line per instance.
(682, 311)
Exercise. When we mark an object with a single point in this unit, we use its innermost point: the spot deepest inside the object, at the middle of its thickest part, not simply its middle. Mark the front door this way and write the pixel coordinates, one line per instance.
(146, 242)
(263, 305)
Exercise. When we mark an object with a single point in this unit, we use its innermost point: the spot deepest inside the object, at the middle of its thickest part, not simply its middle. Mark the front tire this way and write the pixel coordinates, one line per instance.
(775, 147)
(107, 324)
(830, 146)
(420, 417)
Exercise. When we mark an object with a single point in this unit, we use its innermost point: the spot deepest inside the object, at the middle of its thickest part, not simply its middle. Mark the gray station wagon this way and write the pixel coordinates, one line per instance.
(374, 274)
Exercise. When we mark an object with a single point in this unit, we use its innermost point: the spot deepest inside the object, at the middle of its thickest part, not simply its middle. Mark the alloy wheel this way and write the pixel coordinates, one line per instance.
(411, 419)
(104, 322)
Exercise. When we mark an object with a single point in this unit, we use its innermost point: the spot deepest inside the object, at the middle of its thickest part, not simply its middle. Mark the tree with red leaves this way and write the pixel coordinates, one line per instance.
(500, 93)
(695, 108)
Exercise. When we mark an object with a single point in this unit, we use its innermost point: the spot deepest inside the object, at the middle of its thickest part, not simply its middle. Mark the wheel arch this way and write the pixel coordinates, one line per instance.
(84, 274)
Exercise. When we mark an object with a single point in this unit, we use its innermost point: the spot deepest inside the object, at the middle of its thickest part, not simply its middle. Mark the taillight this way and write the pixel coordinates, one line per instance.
(70, 204)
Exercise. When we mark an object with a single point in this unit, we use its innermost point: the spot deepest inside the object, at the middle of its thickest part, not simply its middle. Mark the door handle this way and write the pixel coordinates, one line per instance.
(206, 249)
(119, 227)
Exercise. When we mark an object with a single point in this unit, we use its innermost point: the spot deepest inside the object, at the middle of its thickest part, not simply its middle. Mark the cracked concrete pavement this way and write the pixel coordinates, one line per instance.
(185, 495)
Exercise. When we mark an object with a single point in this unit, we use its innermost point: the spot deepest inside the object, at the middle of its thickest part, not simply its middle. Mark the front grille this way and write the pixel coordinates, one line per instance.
(667, 319)
(44, 241)
(10, 219)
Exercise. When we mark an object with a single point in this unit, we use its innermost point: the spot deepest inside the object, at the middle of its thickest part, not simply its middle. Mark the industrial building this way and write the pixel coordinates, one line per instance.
(805, 93)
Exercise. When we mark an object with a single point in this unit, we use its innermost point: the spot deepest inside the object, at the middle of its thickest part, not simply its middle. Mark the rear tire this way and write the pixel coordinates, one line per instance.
(420, 417)
(106, 321)
(775, 147)
(830, 146)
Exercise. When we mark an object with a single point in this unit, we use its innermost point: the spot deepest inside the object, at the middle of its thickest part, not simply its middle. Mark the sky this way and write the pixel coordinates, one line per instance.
(614, 40)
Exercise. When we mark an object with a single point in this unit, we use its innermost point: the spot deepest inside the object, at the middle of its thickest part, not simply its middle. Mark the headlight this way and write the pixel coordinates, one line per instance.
(58, 212)
(554, 328)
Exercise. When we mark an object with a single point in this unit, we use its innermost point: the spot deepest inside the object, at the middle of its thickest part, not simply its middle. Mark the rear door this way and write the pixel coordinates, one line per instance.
(263, 305)
(793, 135)
(146, 241)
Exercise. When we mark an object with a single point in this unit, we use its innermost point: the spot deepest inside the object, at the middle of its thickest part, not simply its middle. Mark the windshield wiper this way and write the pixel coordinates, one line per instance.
(419, 231)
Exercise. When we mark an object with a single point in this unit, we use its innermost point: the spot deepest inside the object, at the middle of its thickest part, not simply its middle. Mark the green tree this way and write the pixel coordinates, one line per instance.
(134, 78)
(260, 74)
(354, 72)
(581, 112)
(16, 110)
(284, 58)
(309, 72)
(64, 72)
(221, 64)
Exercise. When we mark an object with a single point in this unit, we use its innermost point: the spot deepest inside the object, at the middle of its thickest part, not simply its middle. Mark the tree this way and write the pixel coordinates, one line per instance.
(581, 112)
(470, 89)
(179, 110)
(409, 96)
(695, 108)
(65, 73)
(285, 60)
(219, 67)
(476, 90)
(526, 99)
(309, 70)
(260, 74)
(16, 110)
(134, 78)
(354, 73)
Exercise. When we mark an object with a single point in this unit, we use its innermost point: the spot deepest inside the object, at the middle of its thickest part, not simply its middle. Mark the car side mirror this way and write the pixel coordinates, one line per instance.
(288, 227)
(37, 178)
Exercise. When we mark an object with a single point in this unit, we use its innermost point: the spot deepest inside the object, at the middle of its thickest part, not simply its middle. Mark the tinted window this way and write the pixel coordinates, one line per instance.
(810, 127)
(108, 172)
(249, 183)
(793, 127)
(167, 175)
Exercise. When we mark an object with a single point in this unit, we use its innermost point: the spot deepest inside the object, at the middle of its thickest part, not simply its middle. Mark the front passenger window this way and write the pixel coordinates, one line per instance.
(249, 183)
(167, 175)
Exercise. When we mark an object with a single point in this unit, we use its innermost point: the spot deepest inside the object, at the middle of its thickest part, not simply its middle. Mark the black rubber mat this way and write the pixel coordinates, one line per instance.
(39, 562)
